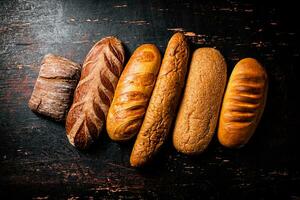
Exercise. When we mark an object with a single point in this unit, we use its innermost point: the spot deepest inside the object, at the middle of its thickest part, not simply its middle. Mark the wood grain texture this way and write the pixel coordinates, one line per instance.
(36, 159)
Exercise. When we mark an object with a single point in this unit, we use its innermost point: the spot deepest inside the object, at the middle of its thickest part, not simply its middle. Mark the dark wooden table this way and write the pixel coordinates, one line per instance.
(38, 162)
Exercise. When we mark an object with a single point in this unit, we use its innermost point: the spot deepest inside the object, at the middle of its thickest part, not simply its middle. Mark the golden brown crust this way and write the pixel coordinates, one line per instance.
(199, 109)
(101, 70)
(133, 92)
(163, 102)
(53, 92)
(243, 103)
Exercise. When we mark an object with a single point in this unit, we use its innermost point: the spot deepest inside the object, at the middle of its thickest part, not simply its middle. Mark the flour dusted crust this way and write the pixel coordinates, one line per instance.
(94, 93)
(53, 91)
(199, 109)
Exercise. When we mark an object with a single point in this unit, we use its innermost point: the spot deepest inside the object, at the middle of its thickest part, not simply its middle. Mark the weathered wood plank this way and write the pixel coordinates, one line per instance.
(38, 162)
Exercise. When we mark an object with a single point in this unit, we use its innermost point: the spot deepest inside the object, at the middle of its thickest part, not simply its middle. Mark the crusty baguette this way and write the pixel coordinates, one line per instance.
(93, 95)
(199, 110)
(134, 89)
(243, 103)
(163, 103)
(53, 91)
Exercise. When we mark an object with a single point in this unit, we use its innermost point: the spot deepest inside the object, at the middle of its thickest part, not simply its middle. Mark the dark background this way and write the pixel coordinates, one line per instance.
(38, 162)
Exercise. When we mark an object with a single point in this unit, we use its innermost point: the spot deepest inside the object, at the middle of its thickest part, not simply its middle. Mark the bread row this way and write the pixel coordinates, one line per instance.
(150, 95)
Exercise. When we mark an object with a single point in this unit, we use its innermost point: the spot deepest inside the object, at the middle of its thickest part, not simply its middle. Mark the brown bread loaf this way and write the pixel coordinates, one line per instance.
(53, 91)
(101, 70)
(133, 92)
(199, 109)
(243, 103)
(163, 103)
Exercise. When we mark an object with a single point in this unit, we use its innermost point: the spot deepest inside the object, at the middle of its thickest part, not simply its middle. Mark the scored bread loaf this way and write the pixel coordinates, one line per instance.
(126, 113)
(199, 109)
(93, 95)
(163, 103)
(243, 103)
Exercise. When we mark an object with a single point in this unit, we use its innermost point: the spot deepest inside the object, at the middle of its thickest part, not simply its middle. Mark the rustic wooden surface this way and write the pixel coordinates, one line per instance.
(38, 162)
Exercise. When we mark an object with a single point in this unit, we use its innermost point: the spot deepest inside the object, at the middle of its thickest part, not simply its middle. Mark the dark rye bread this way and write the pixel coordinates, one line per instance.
(243, 103)
(53, 91)
(101, 70)
(133, 92)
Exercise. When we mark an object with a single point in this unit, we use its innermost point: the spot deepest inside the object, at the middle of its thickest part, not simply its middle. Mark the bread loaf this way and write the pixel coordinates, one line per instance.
(163, 103)
(243, 103)
(199, 109)
(53, 91)
(101, 70)
(133, 92)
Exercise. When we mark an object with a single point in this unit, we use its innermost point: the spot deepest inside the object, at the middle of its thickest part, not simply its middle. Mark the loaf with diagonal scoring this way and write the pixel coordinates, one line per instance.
(163, 103)
(133, 92)
(243, 103)
(101, 70)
